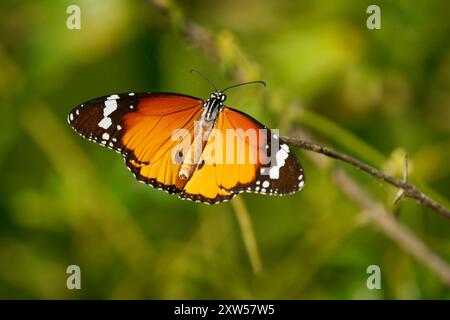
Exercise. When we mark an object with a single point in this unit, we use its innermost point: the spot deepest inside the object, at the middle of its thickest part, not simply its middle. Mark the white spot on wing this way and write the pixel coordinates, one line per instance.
(266, 184)
(105, 123)
(281, 157)
(110, 107)
(105, 136)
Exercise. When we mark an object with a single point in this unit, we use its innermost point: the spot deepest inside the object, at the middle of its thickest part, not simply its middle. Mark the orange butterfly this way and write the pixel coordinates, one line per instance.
(201, 150)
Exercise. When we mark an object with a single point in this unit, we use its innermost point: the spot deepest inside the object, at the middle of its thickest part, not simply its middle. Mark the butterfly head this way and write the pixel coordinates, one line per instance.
(218, 96)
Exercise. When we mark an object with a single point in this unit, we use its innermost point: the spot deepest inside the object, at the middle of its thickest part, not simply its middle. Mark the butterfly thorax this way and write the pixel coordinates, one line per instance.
(214, 105)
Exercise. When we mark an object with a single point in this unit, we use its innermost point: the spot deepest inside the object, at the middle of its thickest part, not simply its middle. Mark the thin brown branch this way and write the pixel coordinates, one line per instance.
(392, 228)
(409, 190)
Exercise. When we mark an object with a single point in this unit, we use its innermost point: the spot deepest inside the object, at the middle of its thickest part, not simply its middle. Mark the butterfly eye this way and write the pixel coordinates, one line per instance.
(222, 97)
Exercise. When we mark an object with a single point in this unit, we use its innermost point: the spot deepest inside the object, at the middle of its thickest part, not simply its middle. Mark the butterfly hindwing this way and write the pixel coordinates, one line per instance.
(203, 185)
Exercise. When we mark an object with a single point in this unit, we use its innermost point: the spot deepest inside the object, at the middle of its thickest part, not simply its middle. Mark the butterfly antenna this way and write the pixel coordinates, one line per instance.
(205, 77)
(245, 83)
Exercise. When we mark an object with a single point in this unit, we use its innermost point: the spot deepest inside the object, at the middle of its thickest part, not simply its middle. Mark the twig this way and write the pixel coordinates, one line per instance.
(392, 228)
(400, 192)
(245, 225)
(409, 189)
(195, 33)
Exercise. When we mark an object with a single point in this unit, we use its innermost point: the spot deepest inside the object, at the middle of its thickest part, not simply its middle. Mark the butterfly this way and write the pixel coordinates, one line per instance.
(200, 150)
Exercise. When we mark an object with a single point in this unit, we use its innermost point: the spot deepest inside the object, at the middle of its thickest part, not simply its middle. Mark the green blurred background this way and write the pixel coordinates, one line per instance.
(374, 94)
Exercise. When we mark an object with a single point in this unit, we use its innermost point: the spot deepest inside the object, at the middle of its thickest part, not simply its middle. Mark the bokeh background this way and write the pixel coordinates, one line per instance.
(374, 94)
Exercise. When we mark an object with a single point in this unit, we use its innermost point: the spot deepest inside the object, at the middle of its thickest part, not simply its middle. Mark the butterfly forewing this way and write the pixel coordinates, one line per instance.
(106, 120)
(139, 126)
(277, 170)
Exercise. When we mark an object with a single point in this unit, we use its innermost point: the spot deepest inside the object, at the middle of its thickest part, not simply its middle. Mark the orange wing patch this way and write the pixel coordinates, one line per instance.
(148, 137)
(242, 156)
